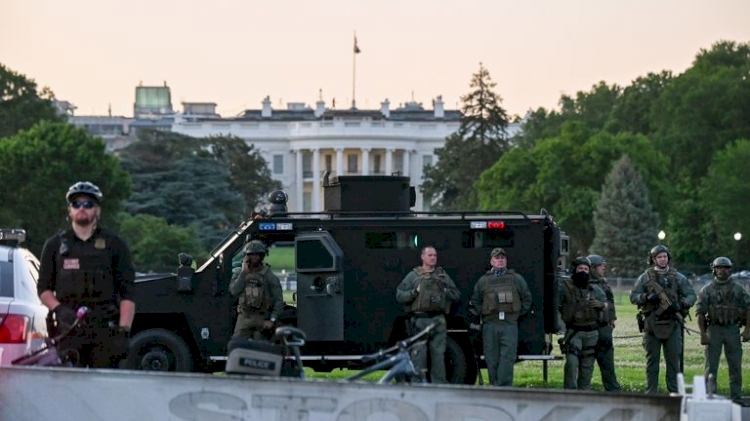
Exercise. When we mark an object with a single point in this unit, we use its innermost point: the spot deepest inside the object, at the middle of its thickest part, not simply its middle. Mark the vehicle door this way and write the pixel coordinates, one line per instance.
(320, 286)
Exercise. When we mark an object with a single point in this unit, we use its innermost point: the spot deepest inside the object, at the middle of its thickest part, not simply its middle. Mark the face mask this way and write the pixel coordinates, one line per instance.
(580, 279)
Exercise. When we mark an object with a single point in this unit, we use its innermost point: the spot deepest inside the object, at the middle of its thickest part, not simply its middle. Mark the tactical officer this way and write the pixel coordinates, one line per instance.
(605, 351)
(582, 305)
(500, 297)
(723, 306)
(428, 292)
(664, 297)
(261, 299)
(88, 266)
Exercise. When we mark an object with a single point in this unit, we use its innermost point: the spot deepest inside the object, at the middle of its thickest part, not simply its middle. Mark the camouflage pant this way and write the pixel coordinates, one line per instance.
(579, 360)
(672, 353)
(605, 358)
(727, 337)
(435, 345)
(500, 342)
(250, 326)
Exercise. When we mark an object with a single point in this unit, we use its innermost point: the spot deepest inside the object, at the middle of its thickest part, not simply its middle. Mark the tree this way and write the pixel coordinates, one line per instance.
(155, 243)
(624, 220)
(479, 142)
(564, 175)
(723, 194)
(633, 109)
(21, 104)
(248, 171)
(38, 167)
(192, 190)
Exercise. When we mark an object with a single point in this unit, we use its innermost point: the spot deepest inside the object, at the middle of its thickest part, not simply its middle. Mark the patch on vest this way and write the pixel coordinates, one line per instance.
(100, 244)
(71, 264)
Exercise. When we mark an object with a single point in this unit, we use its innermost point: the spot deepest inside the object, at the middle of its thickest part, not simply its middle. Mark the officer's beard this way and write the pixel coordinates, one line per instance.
(83, 219)
(580, 279)
(721, 276)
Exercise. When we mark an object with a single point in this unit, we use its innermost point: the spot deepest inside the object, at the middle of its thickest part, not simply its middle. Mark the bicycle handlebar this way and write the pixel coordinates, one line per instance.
(400, 345)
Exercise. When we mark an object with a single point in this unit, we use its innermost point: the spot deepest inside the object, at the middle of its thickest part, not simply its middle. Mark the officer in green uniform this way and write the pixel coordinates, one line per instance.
(723, 305)
(582, 305)
(664, 297)
(428, 292)
(605, 350)
(500, 297)
(261, 300)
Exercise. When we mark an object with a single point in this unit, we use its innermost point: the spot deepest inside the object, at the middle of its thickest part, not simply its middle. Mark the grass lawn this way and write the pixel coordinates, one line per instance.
(281, 258)
(630, 359)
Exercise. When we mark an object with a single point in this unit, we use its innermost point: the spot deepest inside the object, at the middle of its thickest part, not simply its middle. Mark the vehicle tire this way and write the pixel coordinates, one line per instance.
(158, 350)
(457, 369)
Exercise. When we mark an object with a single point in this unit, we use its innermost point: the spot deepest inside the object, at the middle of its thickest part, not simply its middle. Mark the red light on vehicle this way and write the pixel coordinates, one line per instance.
(496, 225)
(13, 329)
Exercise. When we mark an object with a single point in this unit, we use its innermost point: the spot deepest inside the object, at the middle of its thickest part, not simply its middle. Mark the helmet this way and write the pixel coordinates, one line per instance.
(661, 248)
(581, 260)
(255, 247)
(85, 188)
(596, 260)
(721, 262)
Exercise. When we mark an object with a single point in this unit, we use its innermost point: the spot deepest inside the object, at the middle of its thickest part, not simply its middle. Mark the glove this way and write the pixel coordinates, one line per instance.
(685, 304)
(596, 304)
(652, 298)
(268, 324)
(705, 339)
(65, 317)
(120, 341)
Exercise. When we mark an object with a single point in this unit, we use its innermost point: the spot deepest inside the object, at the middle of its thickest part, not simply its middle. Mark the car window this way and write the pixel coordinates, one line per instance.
(28, 278)
(6, 279)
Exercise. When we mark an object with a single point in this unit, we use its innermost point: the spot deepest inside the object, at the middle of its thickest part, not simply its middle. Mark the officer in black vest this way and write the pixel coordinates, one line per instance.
(88, 266)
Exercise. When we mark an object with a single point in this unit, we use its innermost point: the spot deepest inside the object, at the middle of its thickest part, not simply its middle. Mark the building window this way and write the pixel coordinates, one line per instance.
(426, 160)
(329, 162)
(352, 161)
(306, 202)
(376, 164)
(278, 164)
(398, 163)
(306, 165)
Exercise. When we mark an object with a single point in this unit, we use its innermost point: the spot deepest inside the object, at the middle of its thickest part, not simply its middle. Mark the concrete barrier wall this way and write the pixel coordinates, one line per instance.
(40, 393)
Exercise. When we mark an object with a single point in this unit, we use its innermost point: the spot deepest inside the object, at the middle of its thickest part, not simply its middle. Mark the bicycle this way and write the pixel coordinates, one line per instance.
(48, 356)
(399, 365)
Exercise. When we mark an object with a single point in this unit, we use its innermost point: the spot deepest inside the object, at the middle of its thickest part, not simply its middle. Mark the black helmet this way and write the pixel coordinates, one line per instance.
(86, 188)
(661, 248)
(581, 260)
(596, 260)
(721, 262)
(255, 247)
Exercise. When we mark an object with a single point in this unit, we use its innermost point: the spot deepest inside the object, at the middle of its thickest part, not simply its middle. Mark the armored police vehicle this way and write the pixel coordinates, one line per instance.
(349, 260)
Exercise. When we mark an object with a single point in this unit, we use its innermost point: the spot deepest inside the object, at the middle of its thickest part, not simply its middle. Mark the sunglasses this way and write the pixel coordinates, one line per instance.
(82, 204)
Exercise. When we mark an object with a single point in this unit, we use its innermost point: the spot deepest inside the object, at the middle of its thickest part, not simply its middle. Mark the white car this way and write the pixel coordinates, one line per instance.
(23, 325)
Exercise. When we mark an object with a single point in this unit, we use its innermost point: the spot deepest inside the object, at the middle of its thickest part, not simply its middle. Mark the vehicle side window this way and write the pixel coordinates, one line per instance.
(29, 278)
(6, 279)
(489, 238)
(391, 240)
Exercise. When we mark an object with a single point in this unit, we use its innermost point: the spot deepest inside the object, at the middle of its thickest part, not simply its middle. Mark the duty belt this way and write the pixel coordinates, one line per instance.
(589, 328)
(423, 314)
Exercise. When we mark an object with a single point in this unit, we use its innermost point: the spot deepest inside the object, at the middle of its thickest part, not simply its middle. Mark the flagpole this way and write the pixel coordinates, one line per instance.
(354, 72)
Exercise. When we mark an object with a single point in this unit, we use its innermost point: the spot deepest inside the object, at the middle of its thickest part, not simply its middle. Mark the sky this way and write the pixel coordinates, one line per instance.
(94, 53)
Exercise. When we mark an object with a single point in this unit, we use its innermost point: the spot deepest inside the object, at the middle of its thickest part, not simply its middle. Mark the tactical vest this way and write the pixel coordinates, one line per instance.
(725, 306)
(611, 314)
(255, 299)
(500, 294)
(576, 311)
(84, 276)
(667, 281)
(431, 298)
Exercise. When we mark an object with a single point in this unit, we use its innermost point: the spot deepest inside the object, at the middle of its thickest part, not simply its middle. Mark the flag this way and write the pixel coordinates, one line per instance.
(356, 47)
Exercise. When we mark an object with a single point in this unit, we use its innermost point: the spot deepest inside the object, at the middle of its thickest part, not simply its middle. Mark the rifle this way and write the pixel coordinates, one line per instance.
(564, 342)
(664, 302)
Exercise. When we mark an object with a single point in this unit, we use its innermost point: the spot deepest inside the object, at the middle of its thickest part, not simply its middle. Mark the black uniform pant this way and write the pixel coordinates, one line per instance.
(91, 345)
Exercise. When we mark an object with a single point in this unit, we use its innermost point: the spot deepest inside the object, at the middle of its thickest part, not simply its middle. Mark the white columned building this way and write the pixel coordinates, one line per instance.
(301, 143)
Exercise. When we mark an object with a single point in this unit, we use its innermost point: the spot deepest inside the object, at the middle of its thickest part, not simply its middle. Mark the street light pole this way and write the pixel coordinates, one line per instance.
(737, 238)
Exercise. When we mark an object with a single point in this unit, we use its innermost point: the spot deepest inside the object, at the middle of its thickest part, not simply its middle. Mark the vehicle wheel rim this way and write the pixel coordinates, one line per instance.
(155, 360)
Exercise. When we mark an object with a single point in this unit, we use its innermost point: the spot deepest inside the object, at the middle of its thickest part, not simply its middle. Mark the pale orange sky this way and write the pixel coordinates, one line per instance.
(235, 52)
